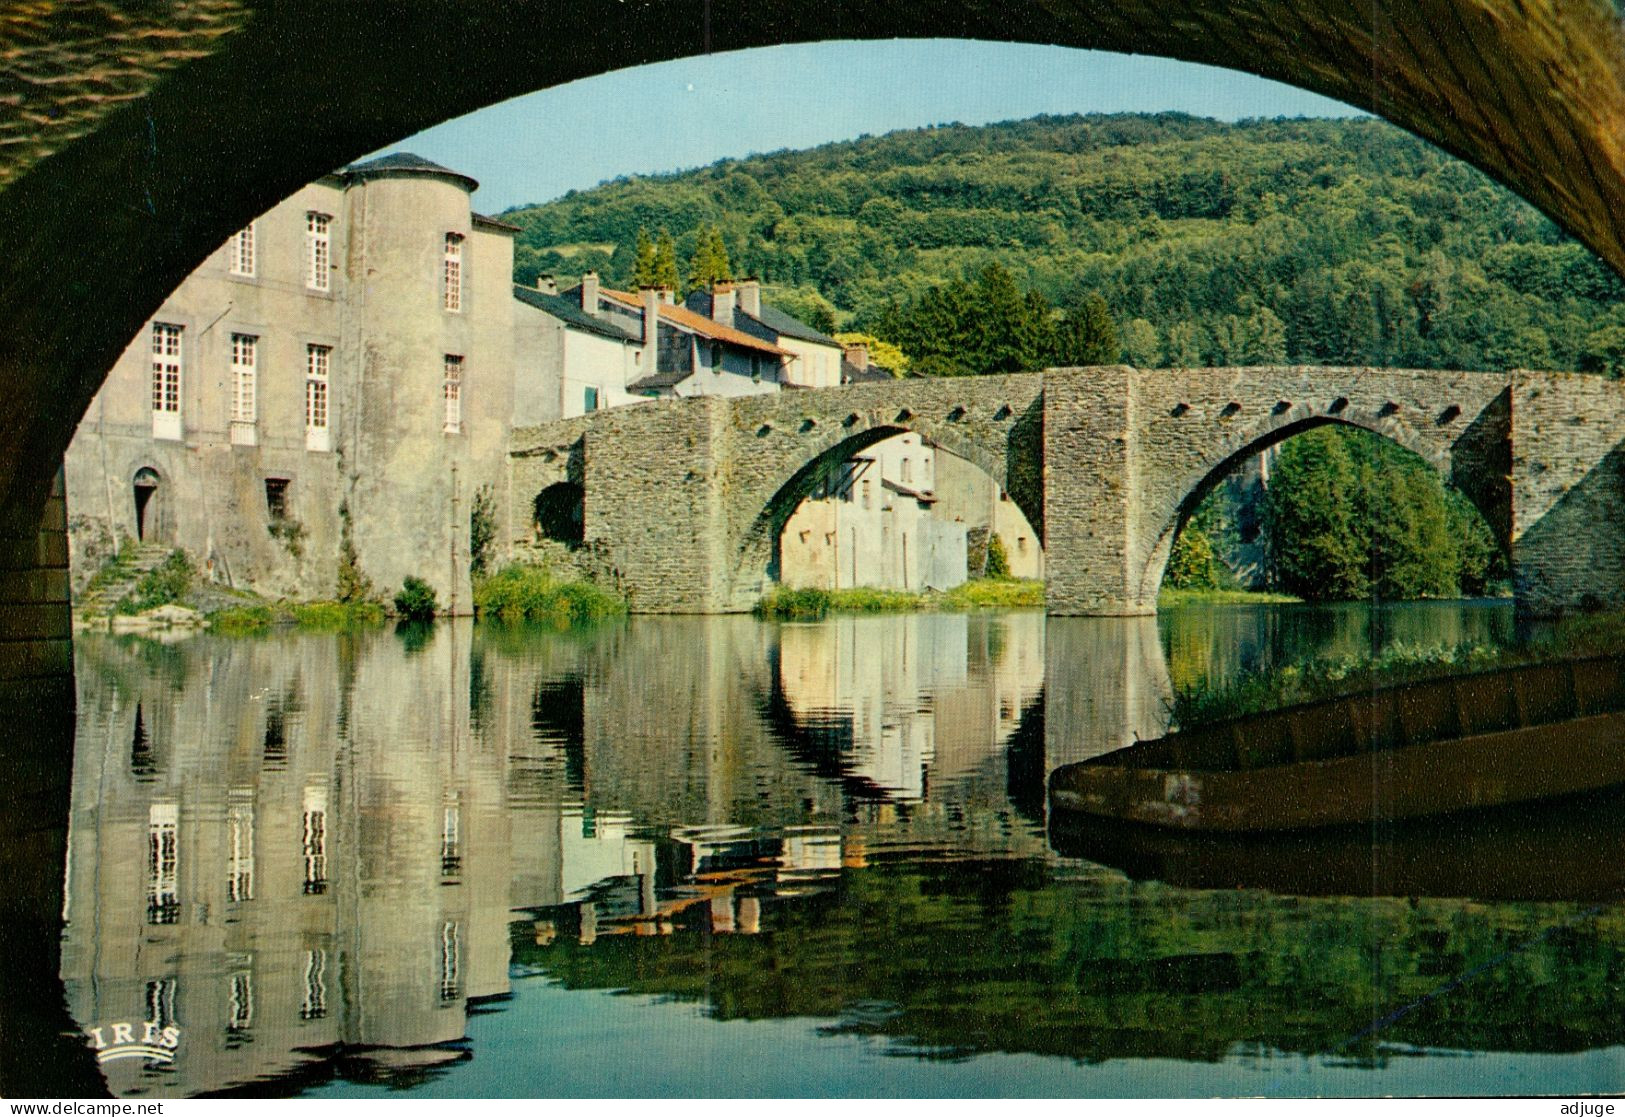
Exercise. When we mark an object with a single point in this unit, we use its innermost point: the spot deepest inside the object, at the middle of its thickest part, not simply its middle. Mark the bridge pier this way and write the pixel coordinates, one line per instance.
(683, 501)
(653, 499)
(1568, 493)
(36, 750)
(1090, 494)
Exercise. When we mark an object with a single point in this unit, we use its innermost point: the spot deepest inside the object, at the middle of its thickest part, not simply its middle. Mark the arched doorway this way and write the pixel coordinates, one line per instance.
(151, 513)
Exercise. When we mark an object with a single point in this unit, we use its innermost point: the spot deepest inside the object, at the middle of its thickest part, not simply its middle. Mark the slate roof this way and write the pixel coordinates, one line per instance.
(771, 319)
(874, 374)
(570, 313)
(404, 162)
(686, 319)
(780, 322)
(494, 223)
(668, 379)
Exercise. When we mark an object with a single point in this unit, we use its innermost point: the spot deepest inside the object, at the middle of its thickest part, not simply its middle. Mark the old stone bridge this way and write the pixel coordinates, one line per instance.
(684, 500)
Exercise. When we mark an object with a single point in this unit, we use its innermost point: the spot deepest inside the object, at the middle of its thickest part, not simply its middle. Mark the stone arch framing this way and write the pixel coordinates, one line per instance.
(120, 196)
(1196, 425)
(777, 444)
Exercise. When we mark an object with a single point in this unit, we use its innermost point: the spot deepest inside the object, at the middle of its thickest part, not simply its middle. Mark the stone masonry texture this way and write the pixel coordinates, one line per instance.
(122, 164)
(685, 500)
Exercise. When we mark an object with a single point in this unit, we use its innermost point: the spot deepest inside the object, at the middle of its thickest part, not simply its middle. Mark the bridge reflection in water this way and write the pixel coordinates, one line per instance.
(311, 855)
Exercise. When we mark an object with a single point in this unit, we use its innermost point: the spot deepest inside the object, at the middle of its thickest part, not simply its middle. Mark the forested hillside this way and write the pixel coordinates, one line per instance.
(1304, 241)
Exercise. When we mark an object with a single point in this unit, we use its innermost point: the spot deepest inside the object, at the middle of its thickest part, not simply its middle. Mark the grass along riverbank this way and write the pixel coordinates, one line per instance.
(1312, 680)
(533, 593)
(315, 616)
(515, 593)
(1169, 597)
(983, 593)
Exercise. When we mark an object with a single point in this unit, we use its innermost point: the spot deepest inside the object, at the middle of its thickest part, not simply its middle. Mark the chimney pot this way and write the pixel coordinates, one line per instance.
(652, 297)
(547, 285)
(722, 302)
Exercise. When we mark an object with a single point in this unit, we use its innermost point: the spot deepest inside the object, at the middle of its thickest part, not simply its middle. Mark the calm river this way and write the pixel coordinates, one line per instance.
(692, 856)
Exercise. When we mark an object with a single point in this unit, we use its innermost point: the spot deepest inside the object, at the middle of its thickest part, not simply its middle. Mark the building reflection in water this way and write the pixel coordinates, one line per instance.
(290, 847)
(278, 846)
(311, 848)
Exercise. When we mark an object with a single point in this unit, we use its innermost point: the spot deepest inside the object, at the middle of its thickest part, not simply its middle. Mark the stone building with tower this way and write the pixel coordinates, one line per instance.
(338, 384)
(343, 366)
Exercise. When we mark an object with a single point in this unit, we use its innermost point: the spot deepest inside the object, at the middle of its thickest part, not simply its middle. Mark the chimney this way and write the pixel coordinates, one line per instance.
(858, 357)
(589, 293)
(722, 302)
(668, 296)
(547, 285)
(652, 298)
(750, 297)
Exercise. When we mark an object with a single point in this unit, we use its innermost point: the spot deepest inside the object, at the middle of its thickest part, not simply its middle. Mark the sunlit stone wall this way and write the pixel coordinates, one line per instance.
(1568, 475)
(684, 500)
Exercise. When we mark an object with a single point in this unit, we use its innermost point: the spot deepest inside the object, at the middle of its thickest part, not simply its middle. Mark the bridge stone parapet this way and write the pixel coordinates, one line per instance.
(774, 445)
(1568, 483)
(683, 502)
(1191, 426)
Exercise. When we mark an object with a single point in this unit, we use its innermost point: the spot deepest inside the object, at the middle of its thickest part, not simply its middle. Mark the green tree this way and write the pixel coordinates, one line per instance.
(1313, 528)
(882, 353)
(1087, 336)
(643, 264)
(665, 262)
(1184, 346)
(998, 559)
(709, 264)
(1141, 346)
(1604, 352)
(1192, 565)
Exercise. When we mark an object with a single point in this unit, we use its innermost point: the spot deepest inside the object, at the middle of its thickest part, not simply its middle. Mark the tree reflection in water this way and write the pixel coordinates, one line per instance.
(361, 840)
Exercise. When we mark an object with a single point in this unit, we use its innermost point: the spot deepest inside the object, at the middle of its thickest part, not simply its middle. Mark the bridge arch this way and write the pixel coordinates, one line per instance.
(1164, 523)
(117, 198)
(757, 557)
(778, 445)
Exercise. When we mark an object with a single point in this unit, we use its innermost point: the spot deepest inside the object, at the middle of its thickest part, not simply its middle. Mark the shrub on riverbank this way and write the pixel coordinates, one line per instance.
(1308, 681)
(164, 584)
(518, 592)
(416, 600)
(317, 616)
(982, 593)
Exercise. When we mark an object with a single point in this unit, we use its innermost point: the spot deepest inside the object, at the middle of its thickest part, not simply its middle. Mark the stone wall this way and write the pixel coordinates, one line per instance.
(35, 626)
(685, 500)
(1568, 481)
(1191, 426)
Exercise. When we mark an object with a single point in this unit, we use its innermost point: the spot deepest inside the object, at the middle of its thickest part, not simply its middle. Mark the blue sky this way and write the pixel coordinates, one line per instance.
(534, 148)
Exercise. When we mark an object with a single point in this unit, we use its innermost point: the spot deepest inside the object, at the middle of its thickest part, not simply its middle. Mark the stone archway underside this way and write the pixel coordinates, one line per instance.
(140, 135)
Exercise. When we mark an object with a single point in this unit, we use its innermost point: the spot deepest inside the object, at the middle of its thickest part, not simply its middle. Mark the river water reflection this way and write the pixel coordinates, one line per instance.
(695, 856)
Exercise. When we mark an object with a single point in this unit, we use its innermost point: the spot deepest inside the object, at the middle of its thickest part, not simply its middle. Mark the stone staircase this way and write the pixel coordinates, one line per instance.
(103, 595)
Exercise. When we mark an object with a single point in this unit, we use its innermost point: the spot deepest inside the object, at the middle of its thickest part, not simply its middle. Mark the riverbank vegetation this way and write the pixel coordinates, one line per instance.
(519, 592)
(1173, 596)
(165, 584)
(981, 593)
(315, 616)
(1347, 515)
(1204, 701)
